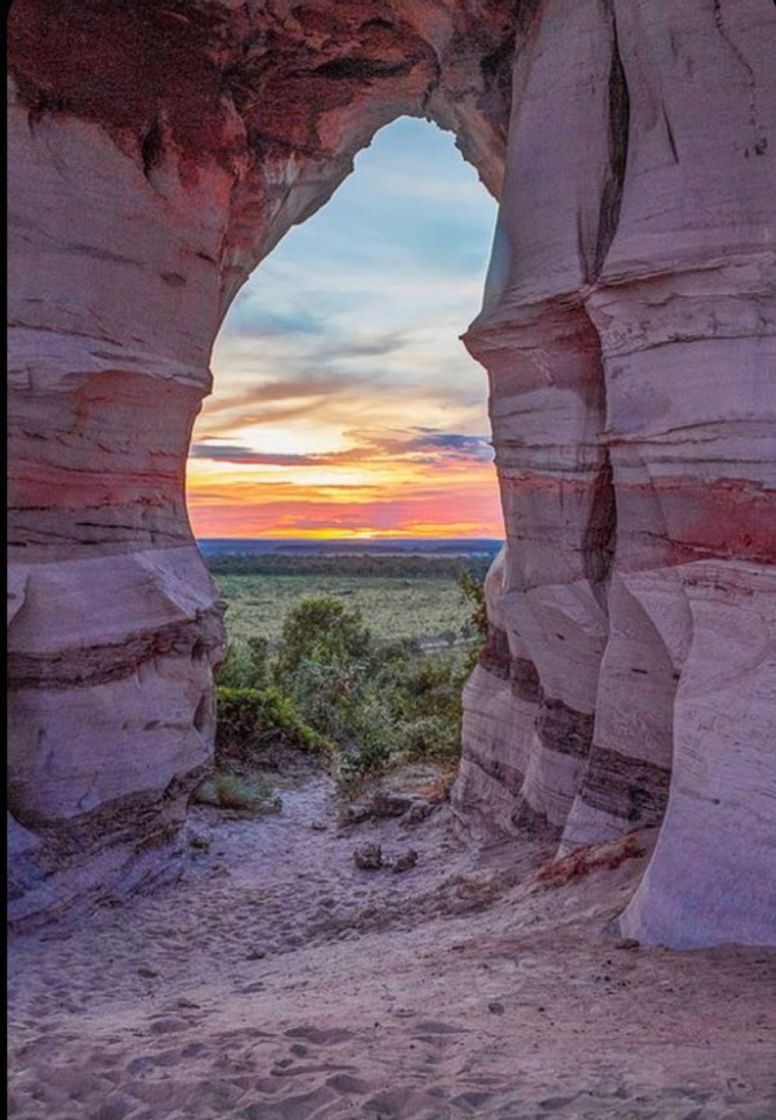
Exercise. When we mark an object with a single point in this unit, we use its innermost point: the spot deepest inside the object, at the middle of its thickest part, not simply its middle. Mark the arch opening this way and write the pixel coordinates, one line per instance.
(347, 415)
(341, 386)
(146, 186)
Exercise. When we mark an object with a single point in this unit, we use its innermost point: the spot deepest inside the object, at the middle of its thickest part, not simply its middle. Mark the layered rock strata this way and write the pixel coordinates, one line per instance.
(156, 154)
(628, 332)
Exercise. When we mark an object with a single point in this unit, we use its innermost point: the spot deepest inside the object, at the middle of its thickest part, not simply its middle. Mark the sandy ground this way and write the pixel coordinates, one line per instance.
(279, 982)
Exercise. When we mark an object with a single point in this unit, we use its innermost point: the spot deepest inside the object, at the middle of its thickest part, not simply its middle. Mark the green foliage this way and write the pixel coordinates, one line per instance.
(324, 663)
(231, 791)
(473, 591)
(362, 566)
(246, 666)
(332, 685)
(379, 702)
(321, 630)
(250, 719)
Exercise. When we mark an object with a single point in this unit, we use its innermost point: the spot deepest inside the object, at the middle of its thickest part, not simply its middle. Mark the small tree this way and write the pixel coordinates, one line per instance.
(320, 629)
(473, 590)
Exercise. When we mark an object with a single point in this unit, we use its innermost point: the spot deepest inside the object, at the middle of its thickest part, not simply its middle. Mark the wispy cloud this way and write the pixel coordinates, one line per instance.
(307, 388)
(246, 318)
(421, 445)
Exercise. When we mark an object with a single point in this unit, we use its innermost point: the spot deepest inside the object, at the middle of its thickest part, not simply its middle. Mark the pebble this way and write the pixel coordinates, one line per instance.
(369, 857)
(405, 861)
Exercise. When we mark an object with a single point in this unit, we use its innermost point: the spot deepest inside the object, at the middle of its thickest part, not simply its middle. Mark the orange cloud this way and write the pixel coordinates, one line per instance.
(467, 507)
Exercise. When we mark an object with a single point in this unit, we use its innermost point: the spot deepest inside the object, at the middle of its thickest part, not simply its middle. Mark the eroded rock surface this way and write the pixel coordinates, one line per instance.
(627, 330)
(156, 155)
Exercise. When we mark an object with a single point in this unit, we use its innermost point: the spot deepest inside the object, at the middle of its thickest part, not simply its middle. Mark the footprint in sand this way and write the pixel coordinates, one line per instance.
(167, 1024)
(320, 1036)
(347, 1084)
(432, 1030)
(398, 1104)
(471, 1101)
(300, 1106)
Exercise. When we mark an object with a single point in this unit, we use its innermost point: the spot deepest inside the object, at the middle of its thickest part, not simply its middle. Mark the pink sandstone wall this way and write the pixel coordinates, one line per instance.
(156, 154)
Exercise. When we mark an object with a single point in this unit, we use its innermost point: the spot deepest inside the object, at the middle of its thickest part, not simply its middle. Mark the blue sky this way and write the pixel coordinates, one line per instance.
(339, 376)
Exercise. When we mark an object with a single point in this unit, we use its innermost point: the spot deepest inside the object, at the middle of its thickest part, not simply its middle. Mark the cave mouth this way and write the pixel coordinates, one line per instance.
(145, 188)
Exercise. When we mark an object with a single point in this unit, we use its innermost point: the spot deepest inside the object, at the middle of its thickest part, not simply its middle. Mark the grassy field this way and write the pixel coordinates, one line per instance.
(430, 608)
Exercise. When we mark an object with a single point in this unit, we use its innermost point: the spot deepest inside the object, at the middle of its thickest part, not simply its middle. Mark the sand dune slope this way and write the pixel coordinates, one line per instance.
(279, 982)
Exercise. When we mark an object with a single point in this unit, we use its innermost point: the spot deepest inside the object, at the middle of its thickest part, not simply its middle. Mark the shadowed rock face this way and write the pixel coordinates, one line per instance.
(157, 154)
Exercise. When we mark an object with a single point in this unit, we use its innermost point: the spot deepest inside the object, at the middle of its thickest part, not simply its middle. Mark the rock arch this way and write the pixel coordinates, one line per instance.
(627, 329)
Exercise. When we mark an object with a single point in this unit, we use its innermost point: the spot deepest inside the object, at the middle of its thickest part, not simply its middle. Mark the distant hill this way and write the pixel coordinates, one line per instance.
(460, 546)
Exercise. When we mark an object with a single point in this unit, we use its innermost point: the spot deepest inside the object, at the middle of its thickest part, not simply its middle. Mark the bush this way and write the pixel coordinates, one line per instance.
(323, 631)
(473, 589)
(432, 737)
(246, 667)
(250, 719)
(335, 686)
(368, 757)
(230, 791)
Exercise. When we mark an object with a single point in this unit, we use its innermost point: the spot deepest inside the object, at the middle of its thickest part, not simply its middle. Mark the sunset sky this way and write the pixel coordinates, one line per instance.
(344, 402)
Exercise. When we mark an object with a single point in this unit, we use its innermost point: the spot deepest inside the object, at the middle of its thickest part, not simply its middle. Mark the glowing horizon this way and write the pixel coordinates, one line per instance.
(344, 403)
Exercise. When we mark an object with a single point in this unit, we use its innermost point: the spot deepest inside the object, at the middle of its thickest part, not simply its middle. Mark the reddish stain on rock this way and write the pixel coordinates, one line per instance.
(594, 857)
(134, 66)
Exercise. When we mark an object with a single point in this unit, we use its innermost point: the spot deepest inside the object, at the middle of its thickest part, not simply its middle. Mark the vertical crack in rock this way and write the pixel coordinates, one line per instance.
(496, 69)
(525, 15)
(745, 65)
(151, 148)
(619, 126)
(598, 543)
(670, 136)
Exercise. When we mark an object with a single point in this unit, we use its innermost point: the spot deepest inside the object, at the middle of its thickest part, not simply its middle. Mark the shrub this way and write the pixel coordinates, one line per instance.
(473, 589)
(246, 666)
(230, 791)
(320, 629)
(432, 737)
(334, 685)
(250, 718)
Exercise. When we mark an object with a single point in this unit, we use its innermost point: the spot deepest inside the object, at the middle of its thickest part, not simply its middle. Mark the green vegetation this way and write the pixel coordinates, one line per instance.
(231, 791)
(429, 608)
(321, 681)
(250, 718)
(407, 565)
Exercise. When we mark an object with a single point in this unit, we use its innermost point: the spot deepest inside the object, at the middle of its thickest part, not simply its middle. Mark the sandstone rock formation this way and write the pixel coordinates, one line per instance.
(628, 331)
(157, 153)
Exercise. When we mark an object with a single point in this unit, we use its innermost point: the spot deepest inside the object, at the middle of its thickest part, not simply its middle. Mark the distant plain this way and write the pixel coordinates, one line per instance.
(399, 594)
